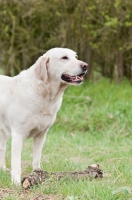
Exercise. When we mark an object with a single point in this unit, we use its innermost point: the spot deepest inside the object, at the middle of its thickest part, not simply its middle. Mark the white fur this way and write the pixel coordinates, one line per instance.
(29, 103)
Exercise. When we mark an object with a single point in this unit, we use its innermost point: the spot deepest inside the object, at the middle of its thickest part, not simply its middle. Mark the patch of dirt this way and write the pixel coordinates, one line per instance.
(43, 197)
(47, 197)
(26, 195)
(5, 192)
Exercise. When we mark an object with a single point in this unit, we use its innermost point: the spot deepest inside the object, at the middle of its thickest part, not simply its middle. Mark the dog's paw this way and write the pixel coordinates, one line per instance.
(16, 180)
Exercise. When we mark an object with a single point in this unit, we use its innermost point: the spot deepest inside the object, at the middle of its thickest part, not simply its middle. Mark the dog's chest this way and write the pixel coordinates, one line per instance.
(48, 106)
(44, 119)
(39, 124)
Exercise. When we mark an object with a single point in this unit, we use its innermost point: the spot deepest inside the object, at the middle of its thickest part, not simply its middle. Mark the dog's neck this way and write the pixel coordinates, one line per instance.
(56, 90)
(60, 91)
(50, 96)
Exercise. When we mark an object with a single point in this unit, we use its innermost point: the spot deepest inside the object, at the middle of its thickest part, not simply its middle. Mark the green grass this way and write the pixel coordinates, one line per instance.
(94, 125)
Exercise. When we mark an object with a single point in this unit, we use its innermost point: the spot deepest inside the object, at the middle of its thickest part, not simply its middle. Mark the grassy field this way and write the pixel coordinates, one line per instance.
(94, 125)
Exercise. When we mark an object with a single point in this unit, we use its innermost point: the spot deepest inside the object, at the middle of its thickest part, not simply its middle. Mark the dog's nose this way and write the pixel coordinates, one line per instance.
(84, 66)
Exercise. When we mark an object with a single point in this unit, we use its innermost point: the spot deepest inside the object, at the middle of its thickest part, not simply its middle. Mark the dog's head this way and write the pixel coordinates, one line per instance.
(61, 64)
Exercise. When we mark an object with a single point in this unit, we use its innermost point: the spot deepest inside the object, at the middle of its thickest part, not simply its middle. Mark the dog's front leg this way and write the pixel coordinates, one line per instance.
(38, 142)
(16, 149)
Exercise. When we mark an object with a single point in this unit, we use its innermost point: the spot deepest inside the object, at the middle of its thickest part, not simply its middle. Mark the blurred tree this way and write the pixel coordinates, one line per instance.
(99, 30)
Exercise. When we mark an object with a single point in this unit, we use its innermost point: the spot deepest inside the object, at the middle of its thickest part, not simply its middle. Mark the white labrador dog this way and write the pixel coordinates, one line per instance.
(30, 101)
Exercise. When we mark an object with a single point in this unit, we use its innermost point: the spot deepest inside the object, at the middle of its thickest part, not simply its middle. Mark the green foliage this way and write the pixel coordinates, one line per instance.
(25, 31)
(100, 31)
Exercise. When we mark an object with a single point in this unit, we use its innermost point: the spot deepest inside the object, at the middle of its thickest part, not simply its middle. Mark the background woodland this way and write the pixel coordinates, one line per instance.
(100, 31)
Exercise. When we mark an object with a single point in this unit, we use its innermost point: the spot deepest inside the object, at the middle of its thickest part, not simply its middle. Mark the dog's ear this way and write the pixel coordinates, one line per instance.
(41, 68)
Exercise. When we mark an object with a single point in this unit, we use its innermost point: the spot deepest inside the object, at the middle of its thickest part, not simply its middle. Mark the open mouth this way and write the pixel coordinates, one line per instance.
(73, 79)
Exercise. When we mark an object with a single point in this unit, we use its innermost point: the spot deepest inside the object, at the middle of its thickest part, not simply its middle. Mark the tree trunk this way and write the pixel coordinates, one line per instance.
(87, 57)
(118, 67)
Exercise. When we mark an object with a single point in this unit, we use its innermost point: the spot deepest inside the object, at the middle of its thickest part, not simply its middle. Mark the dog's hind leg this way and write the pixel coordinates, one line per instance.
(3, 139)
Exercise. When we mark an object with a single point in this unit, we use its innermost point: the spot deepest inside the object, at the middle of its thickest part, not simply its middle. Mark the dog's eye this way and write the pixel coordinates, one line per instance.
(76, 57)
(65, 58)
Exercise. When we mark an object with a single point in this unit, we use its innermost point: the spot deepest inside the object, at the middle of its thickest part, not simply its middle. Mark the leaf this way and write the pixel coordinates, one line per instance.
(112, 23)
(117, 3)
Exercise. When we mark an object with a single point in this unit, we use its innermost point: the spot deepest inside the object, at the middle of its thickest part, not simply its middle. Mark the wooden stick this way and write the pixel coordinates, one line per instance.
(39, 176)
